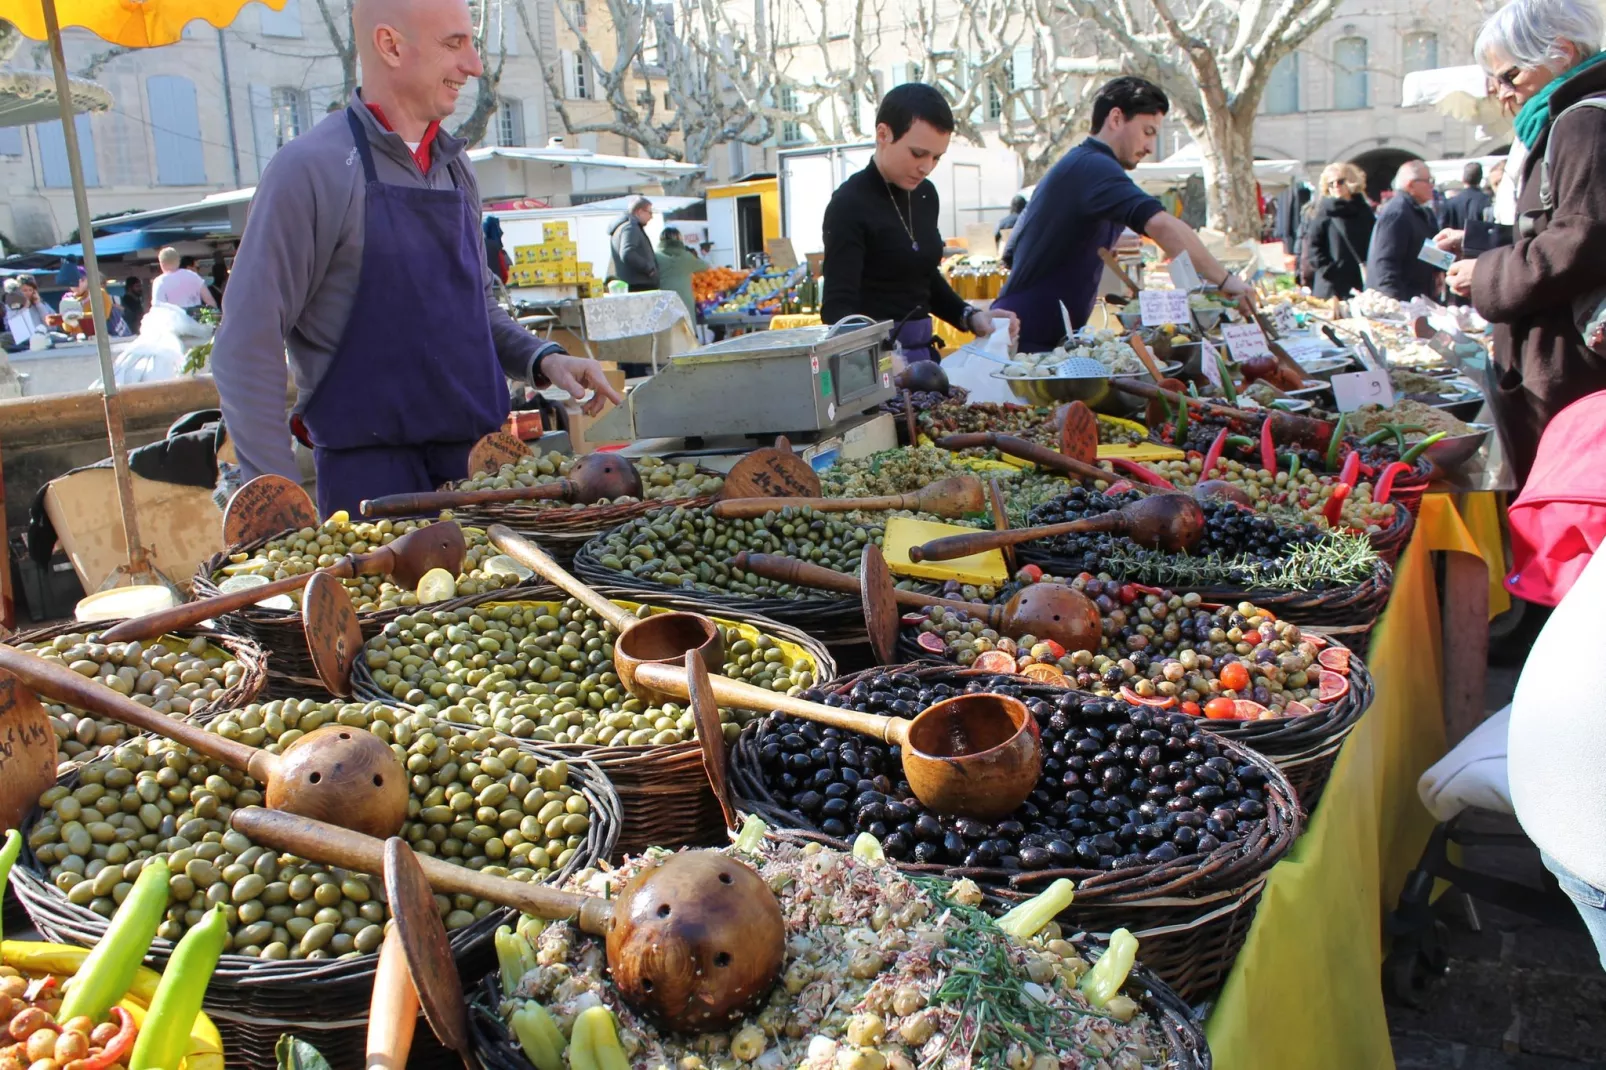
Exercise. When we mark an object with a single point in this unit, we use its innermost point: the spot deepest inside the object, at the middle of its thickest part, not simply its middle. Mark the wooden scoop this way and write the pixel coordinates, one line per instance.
(1154, 416)
(1046, 610)
(266, 506)
(1168, 521)
(662, 637)
(393, 1008)
(1041, 456)
(694, 940)
(334, 773)
(439, 545)
(594, 477)
(428, 975)
(1079, 432)
(970, 755)
(954, 496)
(771, 472)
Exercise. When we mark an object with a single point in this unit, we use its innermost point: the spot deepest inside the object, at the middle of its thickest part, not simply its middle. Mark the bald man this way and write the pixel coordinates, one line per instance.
(363, 259)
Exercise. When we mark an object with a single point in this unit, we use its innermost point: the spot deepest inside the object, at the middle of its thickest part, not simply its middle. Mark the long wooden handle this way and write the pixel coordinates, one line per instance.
(189, 614)
(318, 841)
(979, 542)
(807, 574)
(62, 684)
(431, 502)
(738, 695)
(1113, 262)
(1041, 456)
(533, 557)
(750, 508)
(1135, 340)
(393, 1011)
(1149, 390)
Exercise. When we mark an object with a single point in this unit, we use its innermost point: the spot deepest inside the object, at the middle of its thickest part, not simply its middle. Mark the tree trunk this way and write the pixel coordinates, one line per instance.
(1227, 144)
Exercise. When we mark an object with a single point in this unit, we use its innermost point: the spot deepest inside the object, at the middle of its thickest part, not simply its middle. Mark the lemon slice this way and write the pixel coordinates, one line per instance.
(436, 585)
(241, 582)
(503, 565)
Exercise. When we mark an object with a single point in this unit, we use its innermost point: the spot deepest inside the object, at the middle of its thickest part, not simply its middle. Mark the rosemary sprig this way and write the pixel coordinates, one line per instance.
(1337, 559)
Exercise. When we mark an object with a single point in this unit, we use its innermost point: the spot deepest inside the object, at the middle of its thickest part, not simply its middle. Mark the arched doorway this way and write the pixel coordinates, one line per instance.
(1380, 166)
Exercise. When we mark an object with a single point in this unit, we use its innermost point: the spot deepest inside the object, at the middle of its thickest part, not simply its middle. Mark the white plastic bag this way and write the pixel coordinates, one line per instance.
(972, 367)
(166, 334)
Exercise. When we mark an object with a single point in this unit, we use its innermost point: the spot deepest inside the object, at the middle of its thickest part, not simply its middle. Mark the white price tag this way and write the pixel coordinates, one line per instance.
(1351, 390)
(1160, 307)
(1432, 254)
(1245, 341)
(1282, 318)
(1184, 276)
(1210, 363)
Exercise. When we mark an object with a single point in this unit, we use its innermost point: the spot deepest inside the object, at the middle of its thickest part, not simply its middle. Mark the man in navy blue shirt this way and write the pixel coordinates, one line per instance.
(1083, 204)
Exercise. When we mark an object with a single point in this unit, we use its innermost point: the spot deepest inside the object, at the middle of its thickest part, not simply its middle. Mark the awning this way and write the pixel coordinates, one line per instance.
(1159, 175)
(119, 244)
(584, 158)
(1459, 92)
(30, 97)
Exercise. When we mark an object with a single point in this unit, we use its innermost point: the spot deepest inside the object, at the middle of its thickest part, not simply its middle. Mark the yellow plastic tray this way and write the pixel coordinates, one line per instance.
(1142, 451)
(904, 532)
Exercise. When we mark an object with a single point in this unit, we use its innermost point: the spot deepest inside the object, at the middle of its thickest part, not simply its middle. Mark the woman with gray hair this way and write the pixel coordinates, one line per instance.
(1547, 64)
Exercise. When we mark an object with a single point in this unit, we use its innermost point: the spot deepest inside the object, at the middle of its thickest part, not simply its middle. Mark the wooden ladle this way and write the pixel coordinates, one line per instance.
(1286, 426)
(664, 637)
(1046, 610)
(335, 773)
(694, 939)
(594, 477)
(954, 496)
(1168, 521)
(439, 545)
(1026, 450)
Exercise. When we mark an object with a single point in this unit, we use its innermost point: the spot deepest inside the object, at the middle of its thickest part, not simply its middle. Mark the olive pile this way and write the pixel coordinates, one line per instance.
(1122, 785)
(547, 674)
(313, 548)
(691, 548)
(1038, 424)
(476, 801)
(172, 676)
(659, 479)
(1297, 499)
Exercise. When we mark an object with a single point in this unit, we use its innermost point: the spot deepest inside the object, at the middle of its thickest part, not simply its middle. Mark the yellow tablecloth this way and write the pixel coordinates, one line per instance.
(1305, 991)
(950, 337)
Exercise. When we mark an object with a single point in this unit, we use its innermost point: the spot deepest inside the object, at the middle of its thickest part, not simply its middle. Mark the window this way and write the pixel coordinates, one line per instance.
(1420, 52)
(502, 31)
(509, 123)
(577, 13)
(285, 22)
(1282, 87)
(1349, 73)
(53, 153)
(175, 130)
(286, 115)
(576, 75)
(791, 132)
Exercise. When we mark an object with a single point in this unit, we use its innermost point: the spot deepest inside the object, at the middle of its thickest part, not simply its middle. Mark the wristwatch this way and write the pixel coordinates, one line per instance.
(968, 315)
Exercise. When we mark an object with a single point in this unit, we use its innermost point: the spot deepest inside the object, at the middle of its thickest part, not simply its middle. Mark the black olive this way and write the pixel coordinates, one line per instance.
(973, 860)
(1009, 830)
(1149, 756)
(1178, 803)
(1150, 809)
(789, 784)
(877, 829)
(835, 808)
(848, 756)
(984, 853)
(970, 828)
(1088, 747)
(908, 829)
(882, 784)
(1185, 838)
(1035, 858)
(1207, 843)
(834, 828)
(1208, 775)
(898, 813)
(837, 791)
(928, 827)
(793, 742)
(798, 763)
(927, 852)
(1226, 816)
(896, 845)
(1061, 852)
(953, 845)
(769, 756)
(1151, 833)
(1185, 786)
(1232, 787)
(821, 778)
(1251, 809)
(1166, 852)
(809, 801)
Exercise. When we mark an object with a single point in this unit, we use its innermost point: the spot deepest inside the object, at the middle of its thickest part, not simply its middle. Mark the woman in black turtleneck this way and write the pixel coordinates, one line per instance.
(882, 248)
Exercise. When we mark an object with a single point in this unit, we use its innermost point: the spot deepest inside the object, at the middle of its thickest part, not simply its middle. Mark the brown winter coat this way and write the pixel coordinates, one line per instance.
(1526, 290)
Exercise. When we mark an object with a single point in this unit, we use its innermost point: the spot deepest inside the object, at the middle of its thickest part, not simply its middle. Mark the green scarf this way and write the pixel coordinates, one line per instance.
(1535, 115)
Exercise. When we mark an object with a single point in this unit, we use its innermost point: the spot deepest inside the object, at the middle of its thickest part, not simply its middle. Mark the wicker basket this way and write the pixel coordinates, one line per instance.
(251, 656)
(1390, 543)
(1189, 907)
(254, 1000)
(664, 796)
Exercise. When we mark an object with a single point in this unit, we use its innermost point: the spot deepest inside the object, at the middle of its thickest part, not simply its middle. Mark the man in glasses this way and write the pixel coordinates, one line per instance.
(1393, 266)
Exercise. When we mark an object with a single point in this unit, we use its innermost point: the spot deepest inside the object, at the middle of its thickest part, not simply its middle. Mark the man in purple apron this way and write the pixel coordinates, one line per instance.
(883, 251)
(1081, 207)
(364, 260)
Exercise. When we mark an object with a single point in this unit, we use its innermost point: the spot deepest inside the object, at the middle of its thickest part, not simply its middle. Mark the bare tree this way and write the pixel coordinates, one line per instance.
(1213, 58)
(487, 13)
(336, 14)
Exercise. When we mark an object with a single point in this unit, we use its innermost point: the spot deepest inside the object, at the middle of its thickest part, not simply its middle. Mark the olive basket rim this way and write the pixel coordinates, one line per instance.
(1229, 866)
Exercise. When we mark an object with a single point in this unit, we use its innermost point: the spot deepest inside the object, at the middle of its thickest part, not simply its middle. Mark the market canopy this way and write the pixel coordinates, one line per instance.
(28, 97)
(515, 173)
(120, 244)
(129, 23)
(1459, 92)
(1174, 170)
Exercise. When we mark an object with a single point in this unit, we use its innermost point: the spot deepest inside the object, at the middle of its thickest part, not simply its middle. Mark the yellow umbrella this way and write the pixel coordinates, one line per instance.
(132, 24)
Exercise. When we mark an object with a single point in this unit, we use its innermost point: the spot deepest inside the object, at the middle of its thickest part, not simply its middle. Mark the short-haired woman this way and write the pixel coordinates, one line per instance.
(1339, 234)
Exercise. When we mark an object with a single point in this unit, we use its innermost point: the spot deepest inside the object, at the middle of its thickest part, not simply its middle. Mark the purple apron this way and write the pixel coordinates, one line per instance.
(1074, 281)
(415, 381)
(916, 338)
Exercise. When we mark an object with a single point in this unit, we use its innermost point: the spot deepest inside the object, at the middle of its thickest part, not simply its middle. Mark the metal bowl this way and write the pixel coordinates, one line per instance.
(1087, 381)
(1323, 367)
(1119, 402)
(1463, 408)
(1456, 450)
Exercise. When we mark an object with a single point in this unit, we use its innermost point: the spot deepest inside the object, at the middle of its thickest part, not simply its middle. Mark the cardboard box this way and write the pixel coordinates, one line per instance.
(524, 254)
(569, 276)
(558, 231)
(584, 270)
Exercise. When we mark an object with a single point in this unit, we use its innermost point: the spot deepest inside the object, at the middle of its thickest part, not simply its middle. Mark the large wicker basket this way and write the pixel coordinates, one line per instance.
(255, 1000)
(1191, 911)
(664, 796)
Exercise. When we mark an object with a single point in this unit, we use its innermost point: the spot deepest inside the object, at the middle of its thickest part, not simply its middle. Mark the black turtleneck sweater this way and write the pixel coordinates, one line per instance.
(871, 265)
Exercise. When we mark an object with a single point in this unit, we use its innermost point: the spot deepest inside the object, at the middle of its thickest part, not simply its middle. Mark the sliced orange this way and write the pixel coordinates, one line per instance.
(1163, 702)
(994, 661)
(1046, 674)
(1332, 686)
(1246, 710)
(1335, 658)
(1296, 709)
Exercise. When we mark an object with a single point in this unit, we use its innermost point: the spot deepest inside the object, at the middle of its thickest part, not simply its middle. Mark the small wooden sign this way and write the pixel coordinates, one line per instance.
(782, 256)
(705, 708)
(27, 751)
(1079, 433)
(423, 938)
(493, 451)
(333, 637)
(772, 472)
(881, 616)
(266, 506)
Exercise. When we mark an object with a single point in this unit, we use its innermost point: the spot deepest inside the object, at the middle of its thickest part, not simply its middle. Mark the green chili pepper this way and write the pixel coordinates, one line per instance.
(1229, 389)
(1337, 441)
(8, 857)
(1101, 983)
(1180, 435)
(539, 1036)
(1293, 464)
(109, 969)
(1377, 436)
(1241, 442)
(1410, 455)
(166, 1036)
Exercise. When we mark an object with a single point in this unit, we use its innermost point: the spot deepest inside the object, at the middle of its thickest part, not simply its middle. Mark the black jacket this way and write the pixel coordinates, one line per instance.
(1338, 237)
(1462, 207)
(1290, 216)
(1392, 267)
(633, 259)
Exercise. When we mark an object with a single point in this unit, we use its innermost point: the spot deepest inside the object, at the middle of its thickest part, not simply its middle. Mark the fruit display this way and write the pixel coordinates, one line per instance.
(476, 800)
(1377, 306)
(762, 294)
(660, 480)
(707, 285)
(545, 672)
(170, 675)
(1122, 784)
(882, 972)
(484, 567)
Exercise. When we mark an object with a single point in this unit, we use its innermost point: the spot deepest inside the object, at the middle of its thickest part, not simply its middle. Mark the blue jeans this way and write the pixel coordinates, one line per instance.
(1590, 901)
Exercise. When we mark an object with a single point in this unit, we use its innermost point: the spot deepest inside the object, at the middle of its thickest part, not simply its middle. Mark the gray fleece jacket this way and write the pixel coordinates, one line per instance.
(295, 279)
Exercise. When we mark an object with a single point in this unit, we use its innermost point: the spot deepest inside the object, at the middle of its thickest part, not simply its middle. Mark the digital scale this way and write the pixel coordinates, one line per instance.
(802, 381)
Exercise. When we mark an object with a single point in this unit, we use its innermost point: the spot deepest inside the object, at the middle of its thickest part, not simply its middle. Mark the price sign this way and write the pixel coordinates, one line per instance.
(781, 253)
(1354, 389)
(1245, 341)
(1210, 363)
(1283, 318)
(1184, 276)
(1160, 307)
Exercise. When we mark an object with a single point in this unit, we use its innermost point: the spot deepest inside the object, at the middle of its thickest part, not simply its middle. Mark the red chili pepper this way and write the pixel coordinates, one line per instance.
(1352, 468)
(1334, 508)
(1385, 482)
(120, 1044)
(1135, 471)
(1213, 456)
(1268, 448)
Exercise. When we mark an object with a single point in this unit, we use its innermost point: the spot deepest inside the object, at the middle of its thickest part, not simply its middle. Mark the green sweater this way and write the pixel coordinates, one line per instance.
(675, 269)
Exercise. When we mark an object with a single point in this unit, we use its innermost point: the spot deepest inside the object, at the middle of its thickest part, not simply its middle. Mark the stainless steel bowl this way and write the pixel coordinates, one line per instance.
(1087, 381)
(1456, 450)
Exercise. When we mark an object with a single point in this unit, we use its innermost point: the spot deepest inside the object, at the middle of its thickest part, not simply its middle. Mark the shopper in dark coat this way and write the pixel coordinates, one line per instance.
(1339, 235)
(1468, 204)
(1394, 265)
(633, 258)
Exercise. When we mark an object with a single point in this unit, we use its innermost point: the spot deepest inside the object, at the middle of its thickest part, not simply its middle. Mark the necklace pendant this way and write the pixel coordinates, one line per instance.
(915, 245)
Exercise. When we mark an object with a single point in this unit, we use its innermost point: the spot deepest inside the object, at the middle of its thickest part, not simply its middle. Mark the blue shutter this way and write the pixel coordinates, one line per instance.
(53, 153)
(10, 141)
(175, 130)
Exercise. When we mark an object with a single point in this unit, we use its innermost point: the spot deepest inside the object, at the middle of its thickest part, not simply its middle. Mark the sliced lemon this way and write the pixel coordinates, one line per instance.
(241, 582)
(338, 518)
(436, 585)
(503, 565)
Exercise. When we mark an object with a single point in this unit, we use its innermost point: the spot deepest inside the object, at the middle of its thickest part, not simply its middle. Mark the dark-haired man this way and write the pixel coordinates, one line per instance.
(1082, 205)
(882, 248)
(1465, 205)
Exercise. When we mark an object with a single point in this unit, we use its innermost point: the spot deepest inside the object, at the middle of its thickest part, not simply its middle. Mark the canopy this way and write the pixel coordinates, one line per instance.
(1174, 170)
(129, 23)
(1459, 92)
(547, 173)
(28, 97)
(120, 244)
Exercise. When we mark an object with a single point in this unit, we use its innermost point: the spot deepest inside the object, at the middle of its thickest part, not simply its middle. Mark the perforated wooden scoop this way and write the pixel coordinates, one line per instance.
(1170, 522)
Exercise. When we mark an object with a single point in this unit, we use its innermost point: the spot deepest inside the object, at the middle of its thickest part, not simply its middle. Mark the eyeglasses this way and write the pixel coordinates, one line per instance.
(1509, 76)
